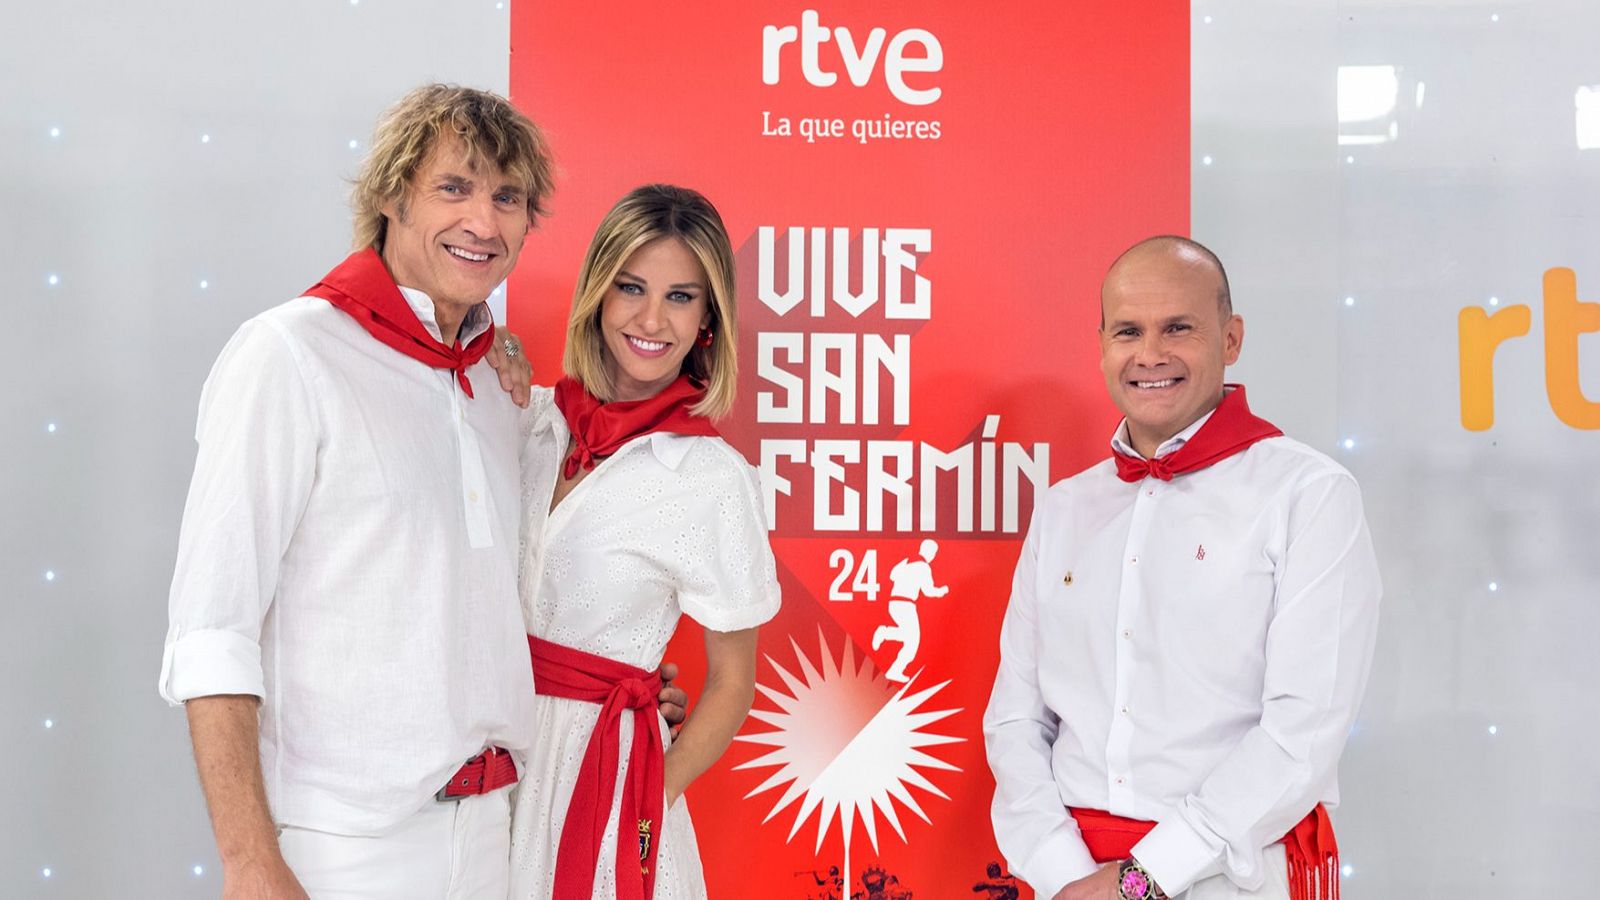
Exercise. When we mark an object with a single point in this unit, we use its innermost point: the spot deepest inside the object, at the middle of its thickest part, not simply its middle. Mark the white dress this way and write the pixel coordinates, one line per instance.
(669, 524)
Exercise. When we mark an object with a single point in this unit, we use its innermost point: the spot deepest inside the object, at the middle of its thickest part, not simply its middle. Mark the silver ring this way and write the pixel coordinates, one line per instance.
(512, 348)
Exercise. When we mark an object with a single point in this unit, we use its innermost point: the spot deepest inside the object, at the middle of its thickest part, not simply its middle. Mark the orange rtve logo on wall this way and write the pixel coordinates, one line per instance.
(1565, 319)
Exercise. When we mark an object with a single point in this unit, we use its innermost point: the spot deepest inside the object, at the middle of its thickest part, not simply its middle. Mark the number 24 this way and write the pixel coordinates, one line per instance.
(866, 581)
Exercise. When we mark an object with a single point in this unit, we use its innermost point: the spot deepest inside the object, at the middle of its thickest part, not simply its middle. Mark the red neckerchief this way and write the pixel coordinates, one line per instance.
(599, 429)
(362, 287)
(1230, 430)
(1310, 847)
(620, 690)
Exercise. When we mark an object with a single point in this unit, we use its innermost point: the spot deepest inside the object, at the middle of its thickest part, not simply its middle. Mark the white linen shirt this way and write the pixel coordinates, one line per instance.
(1189, 652)
(348, 556)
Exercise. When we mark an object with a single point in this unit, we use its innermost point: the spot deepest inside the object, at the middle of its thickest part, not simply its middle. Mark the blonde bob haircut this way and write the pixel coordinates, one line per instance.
(648, 214)
(490, 127)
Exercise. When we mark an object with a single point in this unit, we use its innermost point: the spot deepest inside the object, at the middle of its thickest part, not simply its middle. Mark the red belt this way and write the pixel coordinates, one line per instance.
(620, 689)
(490, 770)
(1312, 851)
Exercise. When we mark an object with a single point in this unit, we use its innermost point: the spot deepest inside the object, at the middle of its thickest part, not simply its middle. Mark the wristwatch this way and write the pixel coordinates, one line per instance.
(1134, 883)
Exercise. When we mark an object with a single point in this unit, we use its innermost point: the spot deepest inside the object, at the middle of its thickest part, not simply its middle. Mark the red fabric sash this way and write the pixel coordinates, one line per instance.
(1312, 851)
(599, 429)
(1230, 430)
(619, 688)
(362, 287)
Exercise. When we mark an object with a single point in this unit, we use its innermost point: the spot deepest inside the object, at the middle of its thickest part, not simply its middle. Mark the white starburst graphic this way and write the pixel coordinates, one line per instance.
(846, 740)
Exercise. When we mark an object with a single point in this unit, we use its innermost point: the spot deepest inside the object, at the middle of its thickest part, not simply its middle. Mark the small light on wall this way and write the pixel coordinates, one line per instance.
(1206, 20)
(1349, 443)
(49, 723)
(1494, 730)
(1494, 586)
(46, 872)
(204, 284)
(1205, 160)
(205, 138)
(1347, 870)
(1349, 301)
(50, 428)
(354, 143)
(1349, 159)
(499, 6)
(198, 871)
(55, 132)
(52, 279)
(1494, 301)
(49, 574)
(1494, 17)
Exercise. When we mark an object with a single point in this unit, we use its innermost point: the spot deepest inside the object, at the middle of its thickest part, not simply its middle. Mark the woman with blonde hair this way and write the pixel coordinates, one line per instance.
(650, 515)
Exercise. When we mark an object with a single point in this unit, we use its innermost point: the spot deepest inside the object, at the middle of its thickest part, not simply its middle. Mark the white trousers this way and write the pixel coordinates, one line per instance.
(1218, 887)
(456, 850)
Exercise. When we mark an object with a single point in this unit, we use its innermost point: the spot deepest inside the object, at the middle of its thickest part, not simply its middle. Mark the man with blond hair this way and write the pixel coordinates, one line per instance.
(1190, 627)
(345, 633)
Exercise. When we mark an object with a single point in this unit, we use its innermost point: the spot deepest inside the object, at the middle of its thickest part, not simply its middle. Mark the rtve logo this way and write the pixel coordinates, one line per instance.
(858, 63)
(1565, 319)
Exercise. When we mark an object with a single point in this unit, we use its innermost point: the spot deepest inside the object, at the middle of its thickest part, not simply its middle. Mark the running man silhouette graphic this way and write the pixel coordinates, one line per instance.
(909, 578)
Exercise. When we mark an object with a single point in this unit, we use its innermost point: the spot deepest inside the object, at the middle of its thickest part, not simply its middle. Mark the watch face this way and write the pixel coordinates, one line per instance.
(1135, 884)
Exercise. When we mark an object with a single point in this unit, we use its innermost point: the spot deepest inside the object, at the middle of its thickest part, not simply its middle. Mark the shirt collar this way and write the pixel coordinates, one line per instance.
(1121, 444)
(477, 321)
(670, 448)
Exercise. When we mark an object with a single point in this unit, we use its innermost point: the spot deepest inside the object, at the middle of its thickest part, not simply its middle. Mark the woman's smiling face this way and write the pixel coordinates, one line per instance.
(651, 316)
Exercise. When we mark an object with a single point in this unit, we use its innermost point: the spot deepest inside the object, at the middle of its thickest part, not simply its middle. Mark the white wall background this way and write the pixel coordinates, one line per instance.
(161, 241)
(1472, 775)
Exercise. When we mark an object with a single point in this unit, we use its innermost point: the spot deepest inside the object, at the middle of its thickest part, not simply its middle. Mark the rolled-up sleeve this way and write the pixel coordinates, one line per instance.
(258, 435)
(1032, 826)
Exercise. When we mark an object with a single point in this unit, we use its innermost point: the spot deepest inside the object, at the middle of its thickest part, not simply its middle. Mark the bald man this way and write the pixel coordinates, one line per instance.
(1190, 627)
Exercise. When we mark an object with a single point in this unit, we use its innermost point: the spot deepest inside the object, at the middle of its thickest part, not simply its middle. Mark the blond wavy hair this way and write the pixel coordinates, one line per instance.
(648, 214)
(487, 124)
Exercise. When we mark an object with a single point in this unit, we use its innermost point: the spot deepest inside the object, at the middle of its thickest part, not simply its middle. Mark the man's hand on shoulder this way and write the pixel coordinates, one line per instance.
(1102, 885)
(505, 356)
(268, 879)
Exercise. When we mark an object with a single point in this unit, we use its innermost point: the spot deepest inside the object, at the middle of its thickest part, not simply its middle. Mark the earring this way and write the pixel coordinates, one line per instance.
(705, 337)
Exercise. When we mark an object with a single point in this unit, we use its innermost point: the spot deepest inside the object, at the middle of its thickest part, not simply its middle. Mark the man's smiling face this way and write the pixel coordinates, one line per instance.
(1165, 341)
(457, 232)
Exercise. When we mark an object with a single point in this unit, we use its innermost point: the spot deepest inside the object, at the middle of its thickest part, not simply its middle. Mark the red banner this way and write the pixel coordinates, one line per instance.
(923, 199)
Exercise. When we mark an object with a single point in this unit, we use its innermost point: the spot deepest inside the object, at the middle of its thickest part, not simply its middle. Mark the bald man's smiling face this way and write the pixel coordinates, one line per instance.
(1165, 341)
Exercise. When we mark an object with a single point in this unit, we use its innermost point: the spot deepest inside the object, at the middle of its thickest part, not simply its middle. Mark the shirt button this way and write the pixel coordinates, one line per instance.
(1128, 635)
(1124, 710)
(1150, 493)
(473, 496)
(1135, 560)
(1119, 779)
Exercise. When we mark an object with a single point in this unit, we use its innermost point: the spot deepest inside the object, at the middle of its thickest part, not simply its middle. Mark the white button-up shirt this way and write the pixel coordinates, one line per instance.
(348, 555)
(1189, 652)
